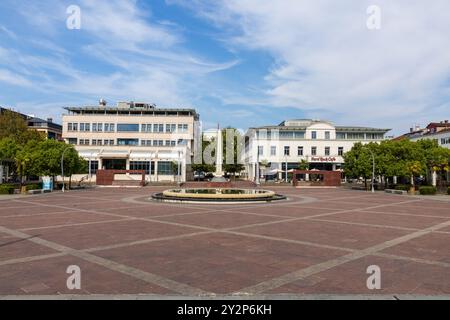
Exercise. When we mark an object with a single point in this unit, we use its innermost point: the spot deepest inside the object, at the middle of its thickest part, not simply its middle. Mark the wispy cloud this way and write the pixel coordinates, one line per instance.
(326, 59)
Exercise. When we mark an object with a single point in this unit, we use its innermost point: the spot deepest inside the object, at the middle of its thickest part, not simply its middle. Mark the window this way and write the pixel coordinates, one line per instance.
(182, 128)
(327, 135)
(94, 127)
(340, 136)
(112, 127)
(73, 141)
(127, 127)
(165, 168)
(260, 150)
(81, 126)
(99, 127)
(94, 167)
(171, 128)
(85, 127)
(106, 127)
(106, 142)
(141, 165)
(99, 142)
(313, 151)
(273, 151)
(340, 151)
(287, 150)
(313, 135)
(146, 143)
(327, 151)
(94, 142)
(111, 142)
(128, 142)
(72, 127)
(84, 142)
(167, 143)
(300, 151)
(161, 143)
(173, 143)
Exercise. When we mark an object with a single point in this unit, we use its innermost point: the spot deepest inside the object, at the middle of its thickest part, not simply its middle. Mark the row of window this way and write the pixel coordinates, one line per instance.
(300, 151)
(127, 127)
(124, 142)
(274, 134)
(445, 140)
(164, 167)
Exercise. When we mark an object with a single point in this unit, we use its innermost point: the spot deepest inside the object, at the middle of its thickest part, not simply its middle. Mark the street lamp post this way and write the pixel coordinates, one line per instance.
(62, 167)
(179, 166)
(373, 170)
(286, 168)
(258, 182)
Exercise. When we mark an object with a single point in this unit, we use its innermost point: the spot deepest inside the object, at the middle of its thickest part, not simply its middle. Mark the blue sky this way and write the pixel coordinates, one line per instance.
(238, 62)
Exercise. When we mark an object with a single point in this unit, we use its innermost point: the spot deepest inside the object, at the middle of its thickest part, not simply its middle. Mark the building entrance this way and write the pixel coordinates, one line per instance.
(114, 164)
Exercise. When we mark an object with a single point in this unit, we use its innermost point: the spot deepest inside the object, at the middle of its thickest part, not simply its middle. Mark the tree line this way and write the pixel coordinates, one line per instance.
(29, 153)
(403, 159)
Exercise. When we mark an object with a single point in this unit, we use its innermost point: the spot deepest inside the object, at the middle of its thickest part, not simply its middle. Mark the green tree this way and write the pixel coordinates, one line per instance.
(303, 165)
(358, 162)
(14, 126)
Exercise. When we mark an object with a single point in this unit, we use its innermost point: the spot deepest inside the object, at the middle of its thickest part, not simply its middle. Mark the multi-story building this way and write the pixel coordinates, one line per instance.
(50, 129)
(320, 143)
(134, 136)
(438, 131)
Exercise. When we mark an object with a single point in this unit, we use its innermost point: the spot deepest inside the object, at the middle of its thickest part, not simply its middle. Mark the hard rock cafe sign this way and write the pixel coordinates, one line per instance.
(323, 159)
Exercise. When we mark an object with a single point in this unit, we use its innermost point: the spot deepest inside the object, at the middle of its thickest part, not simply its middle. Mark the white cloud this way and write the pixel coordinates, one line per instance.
(326, 58)
(13, 78)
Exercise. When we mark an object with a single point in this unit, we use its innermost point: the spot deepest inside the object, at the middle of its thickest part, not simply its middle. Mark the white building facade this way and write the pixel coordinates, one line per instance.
(134, 136)
(320, 143)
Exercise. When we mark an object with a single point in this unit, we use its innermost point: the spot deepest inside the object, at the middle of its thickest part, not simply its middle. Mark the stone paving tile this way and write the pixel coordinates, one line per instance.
(50, 277)
(152, 210)
(293, 211)
(87, 236)
(219, 263)
(15, 248)
(372, 218)
(433, 246)
(30, 210)
(397, 277)
(415, 210)
(348, 236)
(220, 220)
(56, 219)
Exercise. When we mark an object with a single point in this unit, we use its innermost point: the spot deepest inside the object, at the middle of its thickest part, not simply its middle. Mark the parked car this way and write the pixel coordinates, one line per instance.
(199, 176)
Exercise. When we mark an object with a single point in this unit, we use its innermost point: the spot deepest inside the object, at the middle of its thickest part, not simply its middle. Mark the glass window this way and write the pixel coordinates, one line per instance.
(260, 150)
(313, 151)
(106, 127)
(70, 127)
(173, 143)
(128, 142)
(327, 151)
(111, 142)
(99, 127)
(112, 127)
(273, 151)
(341, 151)
(81, 126)
(94, 142)
(155, 143)
(327, 135)
(165, 168)
(167, 143)
(94, 167)
(161, 143)
(313, 135)
(94, 127)
(182, 128)
(72, 141)
(300, 151)
(287, 150)
(141, 165)
(340, 135)
(127, 127)
(75, 127)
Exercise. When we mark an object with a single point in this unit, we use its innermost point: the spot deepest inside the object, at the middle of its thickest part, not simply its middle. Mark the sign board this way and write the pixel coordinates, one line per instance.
(323, 159)
(47, 183)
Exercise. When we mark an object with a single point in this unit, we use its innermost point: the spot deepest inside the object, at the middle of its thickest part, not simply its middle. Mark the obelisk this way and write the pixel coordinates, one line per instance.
(219, 153)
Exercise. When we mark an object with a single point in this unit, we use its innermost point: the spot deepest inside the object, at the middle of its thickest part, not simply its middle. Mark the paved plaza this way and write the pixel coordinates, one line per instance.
(319, 241)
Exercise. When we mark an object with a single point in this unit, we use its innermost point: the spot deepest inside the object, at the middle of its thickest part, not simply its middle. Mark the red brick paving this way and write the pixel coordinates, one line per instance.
(222, 248)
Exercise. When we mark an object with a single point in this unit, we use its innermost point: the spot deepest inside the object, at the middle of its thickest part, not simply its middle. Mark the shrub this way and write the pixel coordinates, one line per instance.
(33, 187)
(403, 187)
(6, 189)
(427, 190)
(448, 190)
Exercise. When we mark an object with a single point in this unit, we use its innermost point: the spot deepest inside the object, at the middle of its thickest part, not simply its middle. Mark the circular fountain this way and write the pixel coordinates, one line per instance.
(217, 195)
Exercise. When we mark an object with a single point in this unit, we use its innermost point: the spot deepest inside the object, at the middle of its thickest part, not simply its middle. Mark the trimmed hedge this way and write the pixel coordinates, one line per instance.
(403, 187)
(427, 190)
(33, 187)
(6, 189)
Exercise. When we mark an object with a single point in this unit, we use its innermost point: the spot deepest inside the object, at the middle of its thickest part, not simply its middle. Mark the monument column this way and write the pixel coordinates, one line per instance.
(219, 153)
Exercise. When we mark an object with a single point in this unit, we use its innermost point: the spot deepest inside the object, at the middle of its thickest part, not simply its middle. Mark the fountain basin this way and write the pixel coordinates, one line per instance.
(219, 195)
